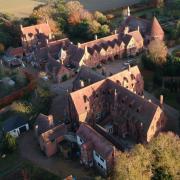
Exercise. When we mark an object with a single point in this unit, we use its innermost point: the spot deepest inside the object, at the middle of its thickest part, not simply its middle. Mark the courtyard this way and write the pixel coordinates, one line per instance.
(29, 150)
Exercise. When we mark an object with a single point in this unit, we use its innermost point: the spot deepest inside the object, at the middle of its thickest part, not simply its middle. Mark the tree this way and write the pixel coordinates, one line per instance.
(104, 30)
(166, 150)
(21, 107)
(1, 48)
(100, 17)
(134, 165)
(158, 51)
(158, 160)
(159, 3)
(9, 143)
(20, 78)
(74, 6)
(94, 27)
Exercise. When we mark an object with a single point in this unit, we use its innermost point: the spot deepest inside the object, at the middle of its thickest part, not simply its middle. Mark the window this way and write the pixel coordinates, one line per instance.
(101, 159)
(138, 109)
(100, 165)
(98, 116)
(81, 140)
(97, 154)
(85, 98)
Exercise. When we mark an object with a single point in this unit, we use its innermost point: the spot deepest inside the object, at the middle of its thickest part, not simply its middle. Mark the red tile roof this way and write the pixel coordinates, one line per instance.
(156, 29)
(100, 144)
(35, 29)
(15, 51)
(54, 133)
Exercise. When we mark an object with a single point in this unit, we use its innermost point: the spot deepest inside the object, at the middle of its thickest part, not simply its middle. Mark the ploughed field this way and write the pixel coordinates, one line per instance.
(23, 8)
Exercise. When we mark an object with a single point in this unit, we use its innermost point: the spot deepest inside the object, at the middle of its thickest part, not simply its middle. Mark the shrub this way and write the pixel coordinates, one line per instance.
(9, 143)
(64, 77)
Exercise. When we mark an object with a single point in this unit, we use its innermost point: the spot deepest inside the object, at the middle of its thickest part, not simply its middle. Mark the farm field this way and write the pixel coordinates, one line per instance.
(23, 8)
(19, 8)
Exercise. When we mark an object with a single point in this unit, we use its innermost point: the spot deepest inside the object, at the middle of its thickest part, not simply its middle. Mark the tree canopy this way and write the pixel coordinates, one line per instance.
(158, 51)
(157, 160)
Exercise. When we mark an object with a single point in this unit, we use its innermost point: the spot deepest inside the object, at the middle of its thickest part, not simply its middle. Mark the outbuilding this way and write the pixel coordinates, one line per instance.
(15, 126)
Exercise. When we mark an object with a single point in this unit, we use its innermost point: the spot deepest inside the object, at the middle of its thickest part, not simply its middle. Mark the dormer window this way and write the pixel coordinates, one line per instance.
(138, 109)
(133, 77)
(85, 98)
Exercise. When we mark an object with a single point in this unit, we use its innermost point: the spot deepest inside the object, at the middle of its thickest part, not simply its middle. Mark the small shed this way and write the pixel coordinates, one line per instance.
(15, 126)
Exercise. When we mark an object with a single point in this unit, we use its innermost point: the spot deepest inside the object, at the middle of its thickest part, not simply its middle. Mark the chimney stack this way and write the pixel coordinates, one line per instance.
(86, 49)
(79, 45)
(138, 29)
(115, 31)
(95, 37)
(129, 67)
(81, 83)
(50, 118)
(126, 30)
(21, 26)
(161, 100)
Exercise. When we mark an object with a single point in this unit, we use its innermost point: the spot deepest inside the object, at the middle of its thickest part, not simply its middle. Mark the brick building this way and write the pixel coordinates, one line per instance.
(95, 149)
(129, 114)
(35, 35)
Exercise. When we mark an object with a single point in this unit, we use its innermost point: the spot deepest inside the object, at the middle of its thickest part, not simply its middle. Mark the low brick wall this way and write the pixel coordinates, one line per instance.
(19, 93)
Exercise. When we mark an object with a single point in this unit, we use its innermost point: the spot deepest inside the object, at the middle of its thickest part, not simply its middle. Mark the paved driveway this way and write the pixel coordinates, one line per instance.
(170, 50)
(30, 150)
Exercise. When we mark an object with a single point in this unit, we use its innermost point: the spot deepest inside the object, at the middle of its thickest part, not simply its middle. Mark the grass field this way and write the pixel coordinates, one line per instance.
(19, 8)
(22, 8)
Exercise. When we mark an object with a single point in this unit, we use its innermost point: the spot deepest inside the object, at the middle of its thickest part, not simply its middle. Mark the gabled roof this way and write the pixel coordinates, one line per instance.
(54, 133)
(13, 123)
(134, 22)
(15, 51)
(86, 74)
(126, 39)
(136, 35)
(100, 41)
(100, 144)
(142, 110)
(44, 123)
(36, 29)
(156, 28)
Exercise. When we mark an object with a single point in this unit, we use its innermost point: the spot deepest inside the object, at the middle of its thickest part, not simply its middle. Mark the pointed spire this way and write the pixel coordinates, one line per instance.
(156, 30)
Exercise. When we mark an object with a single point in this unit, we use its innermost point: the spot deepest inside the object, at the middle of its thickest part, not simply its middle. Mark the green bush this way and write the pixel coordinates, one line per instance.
(64, 77)
(8, 143)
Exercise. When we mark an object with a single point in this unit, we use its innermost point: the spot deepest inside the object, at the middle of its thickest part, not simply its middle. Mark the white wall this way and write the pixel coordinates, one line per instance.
(79, 141)
(98, 159)
(16, 132)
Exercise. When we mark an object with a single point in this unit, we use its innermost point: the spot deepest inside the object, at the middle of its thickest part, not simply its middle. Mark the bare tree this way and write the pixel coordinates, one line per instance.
(158, 51)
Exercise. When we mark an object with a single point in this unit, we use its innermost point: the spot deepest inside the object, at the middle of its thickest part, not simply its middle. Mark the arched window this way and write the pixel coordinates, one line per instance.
(132, 77)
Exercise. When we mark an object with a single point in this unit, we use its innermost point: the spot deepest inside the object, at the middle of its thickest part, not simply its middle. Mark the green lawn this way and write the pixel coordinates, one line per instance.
(12, 166)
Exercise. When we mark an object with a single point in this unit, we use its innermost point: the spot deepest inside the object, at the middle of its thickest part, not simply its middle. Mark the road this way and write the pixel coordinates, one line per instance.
(170, 50)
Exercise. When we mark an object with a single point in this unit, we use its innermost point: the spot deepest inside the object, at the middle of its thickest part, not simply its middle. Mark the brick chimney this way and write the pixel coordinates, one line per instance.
(51, 120)
(126, 30)
(81, 83)
(138, 28)
(129, 67)
(161, 100)
(79, 45)
(86, 49)
(21, 26)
